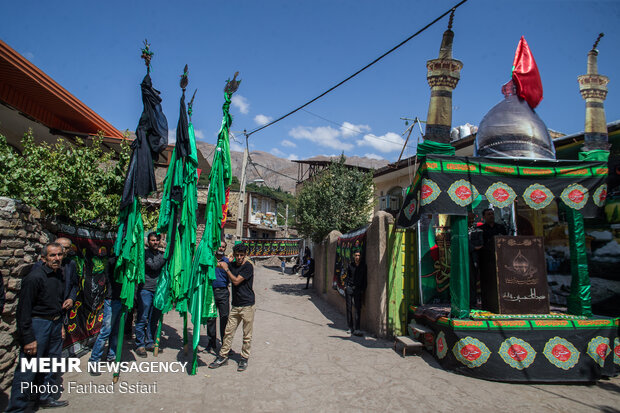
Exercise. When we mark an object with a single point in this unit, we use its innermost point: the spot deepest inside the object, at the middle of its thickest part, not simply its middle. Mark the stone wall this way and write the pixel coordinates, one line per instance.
(21, 239)
(374, 309)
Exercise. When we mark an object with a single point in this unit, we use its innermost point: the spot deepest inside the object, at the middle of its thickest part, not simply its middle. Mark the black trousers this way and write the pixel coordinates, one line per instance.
(222, 301)
(354, 301)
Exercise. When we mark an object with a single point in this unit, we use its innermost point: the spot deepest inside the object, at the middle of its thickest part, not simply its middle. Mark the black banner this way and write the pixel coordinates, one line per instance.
(449, 184)
(270, 247)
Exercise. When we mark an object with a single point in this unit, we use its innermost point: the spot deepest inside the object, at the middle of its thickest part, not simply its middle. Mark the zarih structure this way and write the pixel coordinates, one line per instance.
(593, 88)
(443, 76)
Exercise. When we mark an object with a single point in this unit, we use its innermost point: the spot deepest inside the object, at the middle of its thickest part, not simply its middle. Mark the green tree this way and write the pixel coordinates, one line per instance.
(80, 182)
(339, 198)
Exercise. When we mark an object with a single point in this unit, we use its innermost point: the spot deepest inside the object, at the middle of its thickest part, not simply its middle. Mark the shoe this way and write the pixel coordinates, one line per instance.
(243, 364)
(95, 373)
(51, 403)
(141, 352)
(218, 362)
(358, 333)
(150, 347)
(111, 359)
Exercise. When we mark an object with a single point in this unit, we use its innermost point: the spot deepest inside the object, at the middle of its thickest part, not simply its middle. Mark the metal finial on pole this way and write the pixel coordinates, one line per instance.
(184, 79)
(190, 105)
(451, 19)
(598, 39)
(232, 85)
(147, 55)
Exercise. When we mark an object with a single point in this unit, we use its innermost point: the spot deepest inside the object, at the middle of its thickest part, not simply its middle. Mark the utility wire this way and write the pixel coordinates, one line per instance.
(371, 136)
(275, 172)
(359, 71)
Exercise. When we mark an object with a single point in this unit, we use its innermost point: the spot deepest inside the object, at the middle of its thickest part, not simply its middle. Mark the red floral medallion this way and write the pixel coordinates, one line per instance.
(462, 192)
(538, 196)
(602, 350)
(501, 194)
(576, 196)
(561, 353)
(517, 353)
(471, 352)
(426, 191)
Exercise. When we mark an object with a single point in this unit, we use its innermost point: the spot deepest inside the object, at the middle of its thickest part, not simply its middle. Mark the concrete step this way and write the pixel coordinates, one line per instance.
(407, 343)
(423, 334)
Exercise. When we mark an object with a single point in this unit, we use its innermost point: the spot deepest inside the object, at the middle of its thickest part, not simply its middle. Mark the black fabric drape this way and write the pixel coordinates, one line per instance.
(182, 143)
(151, 140)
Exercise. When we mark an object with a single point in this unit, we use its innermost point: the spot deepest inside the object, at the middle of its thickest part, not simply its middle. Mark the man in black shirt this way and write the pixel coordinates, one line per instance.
(39, 326)
(354, 287)
(241, 274)
(490, 229)
(148, 315)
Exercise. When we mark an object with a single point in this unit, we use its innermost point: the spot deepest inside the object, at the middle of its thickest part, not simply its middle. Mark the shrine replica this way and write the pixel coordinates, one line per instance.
(515, 336)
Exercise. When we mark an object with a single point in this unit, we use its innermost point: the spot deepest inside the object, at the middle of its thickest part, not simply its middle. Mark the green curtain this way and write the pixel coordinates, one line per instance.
(580, 298)
(459, 269)
(427, 147)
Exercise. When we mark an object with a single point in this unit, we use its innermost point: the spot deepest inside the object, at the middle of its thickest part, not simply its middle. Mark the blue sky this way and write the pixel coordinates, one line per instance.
(287, 52)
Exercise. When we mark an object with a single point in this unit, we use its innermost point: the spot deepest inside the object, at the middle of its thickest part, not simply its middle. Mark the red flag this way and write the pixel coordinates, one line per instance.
(525, 75)
(225, 207)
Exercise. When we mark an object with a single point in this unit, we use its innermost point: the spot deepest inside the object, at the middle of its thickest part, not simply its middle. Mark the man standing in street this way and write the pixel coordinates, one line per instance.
(111, 313)
(241, 274)
(70, 272)
(490, 229)
(354, 287)
(39, 326)
(148, 315)
(222, 300)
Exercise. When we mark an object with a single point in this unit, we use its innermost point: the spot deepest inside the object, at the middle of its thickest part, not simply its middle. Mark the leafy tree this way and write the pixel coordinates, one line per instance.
(339, 198)
(80, 182)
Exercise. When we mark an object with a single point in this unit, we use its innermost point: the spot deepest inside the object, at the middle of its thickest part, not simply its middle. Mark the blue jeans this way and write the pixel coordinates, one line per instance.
(148, 317)
(109, 330)
(48, 335)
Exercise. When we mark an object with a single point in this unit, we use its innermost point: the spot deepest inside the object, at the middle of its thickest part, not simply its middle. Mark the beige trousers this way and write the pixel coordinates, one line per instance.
(236, 316)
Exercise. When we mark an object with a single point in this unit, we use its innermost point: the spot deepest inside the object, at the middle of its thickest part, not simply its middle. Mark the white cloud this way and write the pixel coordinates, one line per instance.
(200, 135)
(292, 157)
(262, 119)
(172, 136)
(288, 144)
(322, 135)
(29, 56)
(348, 129)
(278, 152)
(241, 103)
(389, 142)
(374, 156)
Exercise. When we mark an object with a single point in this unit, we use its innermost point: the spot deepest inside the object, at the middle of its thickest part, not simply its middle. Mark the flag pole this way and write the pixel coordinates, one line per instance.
(204, 263)
(119, 341)
(185, 335)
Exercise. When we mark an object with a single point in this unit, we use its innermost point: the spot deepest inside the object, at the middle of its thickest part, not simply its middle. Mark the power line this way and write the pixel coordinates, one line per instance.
(370, 136)
(359, 71)
(274, 171)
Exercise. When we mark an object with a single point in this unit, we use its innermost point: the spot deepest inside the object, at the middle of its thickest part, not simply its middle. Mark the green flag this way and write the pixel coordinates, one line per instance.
(202, 303)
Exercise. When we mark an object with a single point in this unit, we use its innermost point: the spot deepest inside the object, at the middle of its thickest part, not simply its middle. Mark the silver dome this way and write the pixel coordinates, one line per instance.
(511, 129)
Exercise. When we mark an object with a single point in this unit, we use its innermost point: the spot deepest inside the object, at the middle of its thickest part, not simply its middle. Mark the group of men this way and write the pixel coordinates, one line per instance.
(49, 292)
